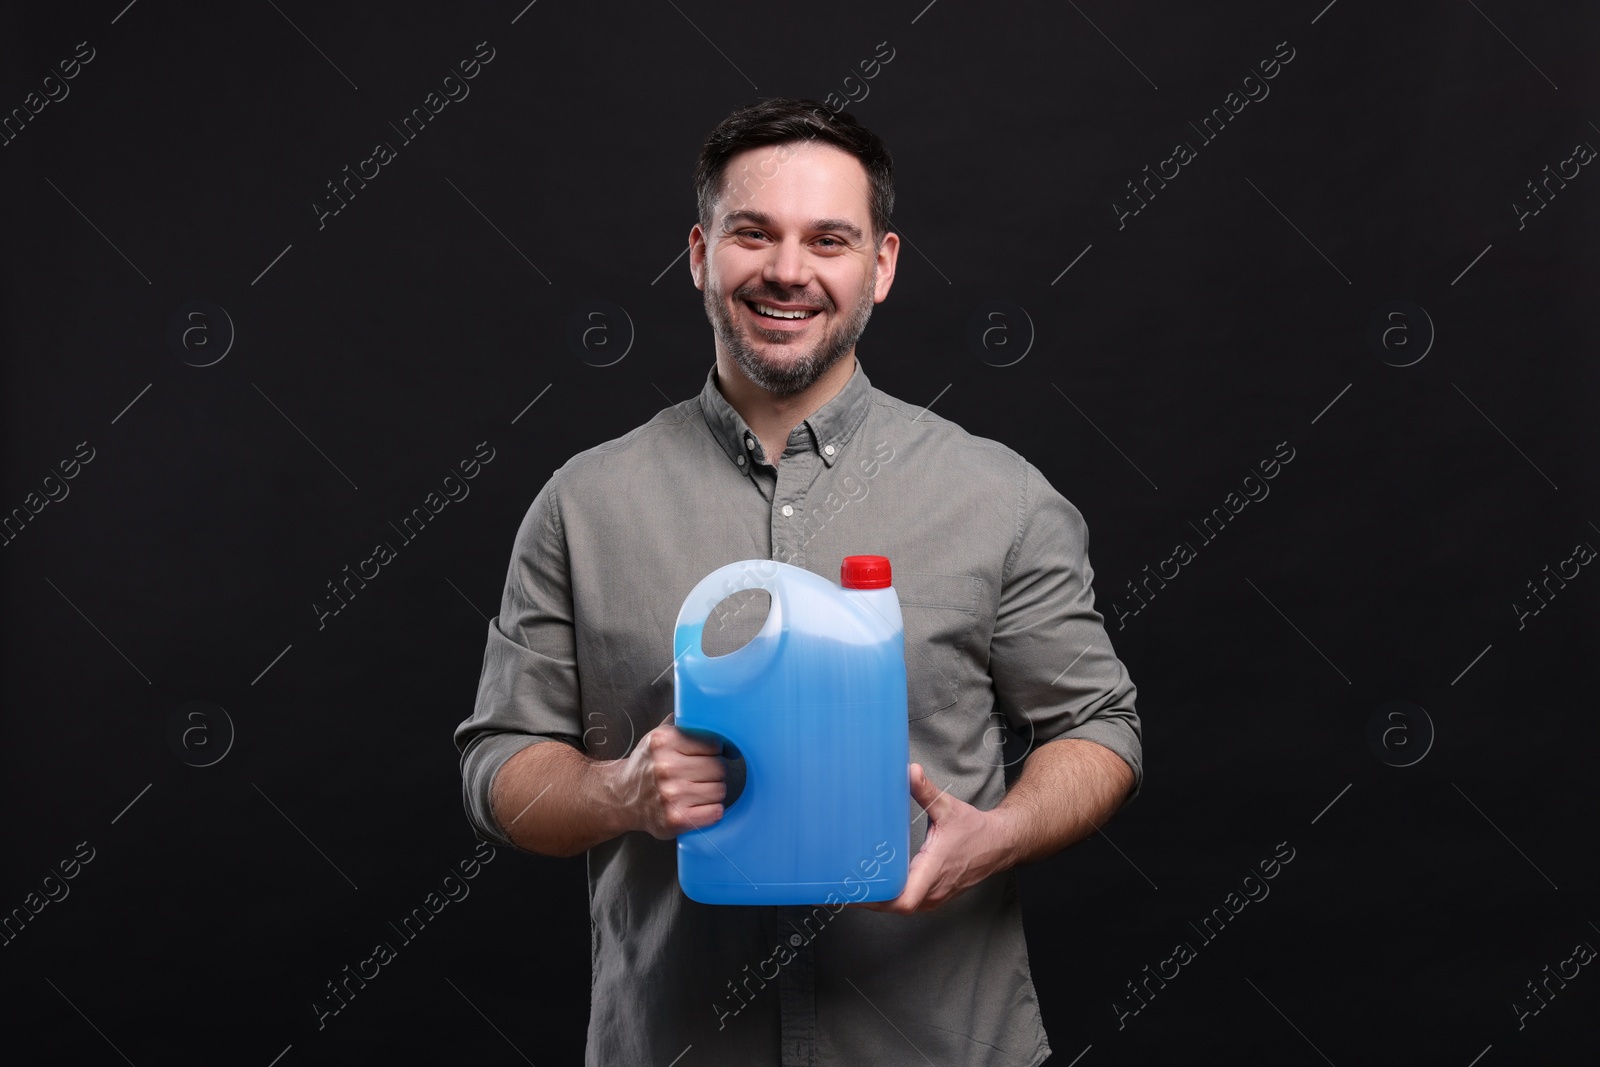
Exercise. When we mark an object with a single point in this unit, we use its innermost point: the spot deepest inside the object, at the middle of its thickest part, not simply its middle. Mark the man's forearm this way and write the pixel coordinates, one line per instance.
(1067, 790)
(552, 799)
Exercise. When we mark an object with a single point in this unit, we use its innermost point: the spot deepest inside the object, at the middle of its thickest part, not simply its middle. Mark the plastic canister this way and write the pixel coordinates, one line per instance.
(815, 705)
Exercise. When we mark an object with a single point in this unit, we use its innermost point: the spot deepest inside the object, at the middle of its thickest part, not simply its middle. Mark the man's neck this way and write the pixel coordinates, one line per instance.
(770, 417)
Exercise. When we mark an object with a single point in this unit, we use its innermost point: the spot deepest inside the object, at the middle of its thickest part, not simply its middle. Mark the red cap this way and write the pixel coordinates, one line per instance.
(864, 572)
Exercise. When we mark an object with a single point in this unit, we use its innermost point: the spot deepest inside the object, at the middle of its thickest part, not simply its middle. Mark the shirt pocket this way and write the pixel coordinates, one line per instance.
(941, 615)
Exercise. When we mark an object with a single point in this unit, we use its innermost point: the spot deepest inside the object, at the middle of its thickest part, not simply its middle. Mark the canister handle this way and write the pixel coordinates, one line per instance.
(715, 587)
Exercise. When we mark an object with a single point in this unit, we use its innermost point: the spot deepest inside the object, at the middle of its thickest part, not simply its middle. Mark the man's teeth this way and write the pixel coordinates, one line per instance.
(777, 313)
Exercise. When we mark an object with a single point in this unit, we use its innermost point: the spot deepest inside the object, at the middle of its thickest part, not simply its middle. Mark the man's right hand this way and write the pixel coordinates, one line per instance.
(671, 783)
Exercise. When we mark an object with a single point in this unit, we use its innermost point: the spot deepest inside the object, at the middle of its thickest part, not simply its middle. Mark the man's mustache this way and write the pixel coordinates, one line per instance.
(763, 297)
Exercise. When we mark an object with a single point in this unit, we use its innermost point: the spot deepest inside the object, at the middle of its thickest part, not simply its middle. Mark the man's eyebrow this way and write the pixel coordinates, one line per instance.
(844, 226)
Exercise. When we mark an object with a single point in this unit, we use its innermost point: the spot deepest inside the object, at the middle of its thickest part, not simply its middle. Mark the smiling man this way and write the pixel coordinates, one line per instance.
(788, 312)
(789, 453)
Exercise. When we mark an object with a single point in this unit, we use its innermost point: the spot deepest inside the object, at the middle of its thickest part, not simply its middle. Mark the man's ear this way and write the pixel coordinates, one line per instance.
(697, 256)
(888, 255)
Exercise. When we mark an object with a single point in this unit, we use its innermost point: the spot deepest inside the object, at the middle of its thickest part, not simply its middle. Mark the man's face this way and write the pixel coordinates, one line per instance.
(790, 234)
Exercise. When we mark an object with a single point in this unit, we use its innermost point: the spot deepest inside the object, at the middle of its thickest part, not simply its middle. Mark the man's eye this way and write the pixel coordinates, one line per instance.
(833, 242)
(751, 233)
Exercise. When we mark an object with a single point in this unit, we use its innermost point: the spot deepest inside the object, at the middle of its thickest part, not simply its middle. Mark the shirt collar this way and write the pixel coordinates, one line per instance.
(825, 431)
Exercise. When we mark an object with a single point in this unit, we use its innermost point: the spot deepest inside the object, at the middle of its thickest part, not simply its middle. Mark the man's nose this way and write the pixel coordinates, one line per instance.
(787, 265)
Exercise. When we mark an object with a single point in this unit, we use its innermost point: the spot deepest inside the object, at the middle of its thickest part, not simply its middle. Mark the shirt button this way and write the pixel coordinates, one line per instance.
(827, 450)
(739, 460)
(749, 442)
(787, 511)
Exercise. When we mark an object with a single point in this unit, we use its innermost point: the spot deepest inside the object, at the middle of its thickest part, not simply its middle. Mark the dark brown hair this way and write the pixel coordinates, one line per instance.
(781, 121)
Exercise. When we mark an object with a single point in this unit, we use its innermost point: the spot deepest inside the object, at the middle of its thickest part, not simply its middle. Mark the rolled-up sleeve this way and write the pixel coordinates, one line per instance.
(1055, 672)
(528, 688)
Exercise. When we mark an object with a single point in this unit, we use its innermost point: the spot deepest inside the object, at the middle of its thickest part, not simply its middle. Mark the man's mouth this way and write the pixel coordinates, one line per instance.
(772, 311)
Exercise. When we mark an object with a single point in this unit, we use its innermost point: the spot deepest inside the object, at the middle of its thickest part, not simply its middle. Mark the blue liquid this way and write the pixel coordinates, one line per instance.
(816, 706)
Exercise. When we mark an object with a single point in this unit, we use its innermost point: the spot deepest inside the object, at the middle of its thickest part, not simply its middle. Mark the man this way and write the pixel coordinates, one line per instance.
(788, 453)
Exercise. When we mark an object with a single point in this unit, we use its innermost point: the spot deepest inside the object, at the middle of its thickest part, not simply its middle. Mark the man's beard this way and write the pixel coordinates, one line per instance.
(792, 377)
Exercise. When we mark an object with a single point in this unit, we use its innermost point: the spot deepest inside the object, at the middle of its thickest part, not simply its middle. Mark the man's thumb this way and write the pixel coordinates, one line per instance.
(923, 791)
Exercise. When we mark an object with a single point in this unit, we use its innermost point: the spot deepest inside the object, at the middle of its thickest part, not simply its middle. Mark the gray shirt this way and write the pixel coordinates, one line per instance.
(991, 567)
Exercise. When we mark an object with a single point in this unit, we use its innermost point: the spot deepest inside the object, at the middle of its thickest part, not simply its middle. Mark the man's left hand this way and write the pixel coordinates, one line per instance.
(963, 847)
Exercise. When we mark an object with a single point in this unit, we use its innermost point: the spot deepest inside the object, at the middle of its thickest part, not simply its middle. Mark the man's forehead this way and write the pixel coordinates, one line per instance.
(784, 152)
(769, 177)
(780, 152)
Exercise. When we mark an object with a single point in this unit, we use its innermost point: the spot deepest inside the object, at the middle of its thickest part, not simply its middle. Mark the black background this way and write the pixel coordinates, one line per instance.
(374, 353)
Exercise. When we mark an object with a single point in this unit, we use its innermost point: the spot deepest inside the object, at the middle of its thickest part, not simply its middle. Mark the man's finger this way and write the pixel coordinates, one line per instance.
(919, 879)
(702, 769)
(924, 792)
(698, 817)
(691, 745)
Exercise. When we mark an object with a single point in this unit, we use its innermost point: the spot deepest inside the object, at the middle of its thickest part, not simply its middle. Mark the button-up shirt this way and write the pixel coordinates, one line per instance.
(990, 564)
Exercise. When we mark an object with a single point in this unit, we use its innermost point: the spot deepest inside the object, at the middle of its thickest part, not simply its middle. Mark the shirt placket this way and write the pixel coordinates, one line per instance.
(797, 995)
(796, 474)
(753, 462)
